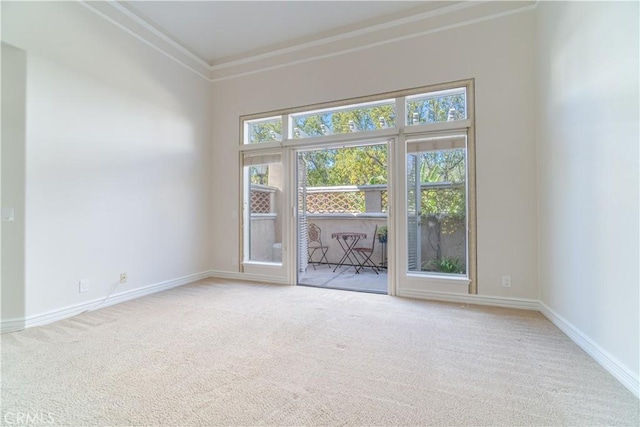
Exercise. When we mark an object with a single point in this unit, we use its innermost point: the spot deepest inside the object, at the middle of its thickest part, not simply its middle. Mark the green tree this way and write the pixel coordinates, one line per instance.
(265, 132)
(443, 207)
(347, 166)
(360, 166)
(438, 109)
(319, 166)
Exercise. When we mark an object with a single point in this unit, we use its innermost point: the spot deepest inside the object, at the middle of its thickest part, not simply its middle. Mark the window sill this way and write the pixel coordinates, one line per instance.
(262, 264)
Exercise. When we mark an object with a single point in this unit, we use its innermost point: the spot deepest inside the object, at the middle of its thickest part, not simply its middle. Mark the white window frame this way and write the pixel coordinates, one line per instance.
(402, 282)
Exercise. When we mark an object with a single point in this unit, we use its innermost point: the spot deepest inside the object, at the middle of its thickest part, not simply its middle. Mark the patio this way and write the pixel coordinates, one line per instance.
(345, 278)
(336, 211)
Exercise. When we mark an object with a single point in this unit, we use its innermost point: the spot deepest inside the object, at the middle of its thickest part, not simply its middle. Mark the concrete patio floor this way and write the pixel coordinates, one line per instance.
(345, 278)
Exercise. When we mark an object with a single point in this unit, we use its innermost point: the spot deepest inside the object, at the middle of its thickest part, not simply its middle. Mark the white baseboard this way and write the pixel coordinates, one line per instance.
(520, 303)
(599, 354)
(12, 325)
(232, 275)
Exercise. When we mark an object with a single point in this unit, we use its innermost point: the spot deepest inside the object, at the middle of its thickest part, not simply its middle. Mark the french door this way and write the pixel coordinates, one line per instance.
(343, 188)
(435, 226)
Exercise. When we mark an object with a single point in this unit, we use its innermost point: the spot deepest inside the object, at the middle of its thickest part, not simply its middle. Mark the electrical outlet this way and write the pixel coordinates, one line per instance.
(506, 281)
(234, 261)
(123, 277)
(83, 286)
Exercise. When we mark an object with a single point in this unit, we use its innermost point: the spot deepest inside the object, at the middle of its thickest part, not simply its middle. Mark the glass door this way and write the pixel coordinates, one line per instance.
(342, 209)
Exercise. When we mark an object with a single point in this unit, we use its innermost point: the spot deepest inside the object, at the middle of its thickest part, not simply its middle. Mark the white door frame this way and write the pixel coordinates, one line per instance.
(292, 154)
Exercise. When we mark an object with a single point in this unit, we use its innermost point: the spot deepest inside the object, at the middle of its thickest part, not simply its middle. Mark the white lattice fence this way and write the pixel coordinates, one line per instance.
(335, 202)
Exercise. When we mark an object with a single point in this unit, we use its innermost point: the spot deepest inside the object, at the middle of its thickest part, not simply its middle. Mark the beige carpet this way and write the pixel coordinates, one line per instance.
(225, 353)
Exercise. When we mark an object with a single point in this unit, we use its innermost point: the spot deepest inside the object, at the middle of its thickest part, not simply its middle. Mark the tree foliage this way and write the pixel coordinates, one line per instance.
(445, 166)
(265, 131)
(436, 109)
(344, 121)
(346, 166)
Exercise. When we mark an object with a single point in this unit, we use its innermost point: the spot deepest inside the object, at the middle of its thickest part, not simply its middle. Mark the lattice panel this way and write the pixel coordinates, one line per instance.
(260, 202)
(385, 200)
(342, 202)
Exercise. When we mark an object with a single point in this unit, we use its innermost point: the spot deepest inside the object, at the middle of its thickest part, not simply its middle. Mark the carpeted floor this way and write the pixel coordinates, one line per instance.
(225, 353)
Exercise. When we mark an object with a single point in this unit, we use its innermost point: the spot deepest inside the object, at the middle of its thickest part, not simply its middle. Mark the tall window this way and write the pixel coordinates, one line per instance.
(437, 205)
(263, 177)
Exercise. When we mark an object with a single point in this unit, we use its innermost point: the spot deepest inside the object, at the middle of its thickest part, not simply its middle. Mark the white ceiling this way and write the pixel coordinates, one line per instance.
(222, 31)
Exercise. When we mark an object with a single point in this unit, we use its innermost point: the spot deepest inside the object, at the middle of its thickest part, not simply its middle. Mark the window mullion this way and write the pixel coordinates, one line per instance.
(401, 114)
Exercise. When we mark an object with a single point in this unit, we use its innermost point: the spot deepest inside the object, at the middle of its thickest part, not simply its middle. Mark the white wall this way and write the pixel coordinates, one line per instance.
(588, 170)
(117, 148)
(14, 62)
(497, 53)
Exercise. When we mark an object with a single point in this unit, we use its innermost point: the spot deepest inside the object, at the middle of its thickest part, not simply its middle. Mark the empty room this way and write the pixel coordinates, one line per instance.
(320, 213)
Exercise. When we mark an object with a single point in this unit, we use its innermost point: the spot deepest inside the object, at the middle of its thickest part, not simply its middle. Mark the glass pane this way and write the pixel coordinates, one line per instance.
(434, 107)
(413, 212)
(263, 130)
(358, 118)
(342, 204)
(265, 221)
(437, 233)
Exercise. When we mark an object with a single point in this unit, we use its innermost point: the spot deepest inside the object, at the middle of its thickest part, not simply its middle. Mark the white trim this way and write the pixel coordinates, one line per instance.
(519, 303)
(126, 19)
(342, 140)
(93, 7)
(12, 325)
(233, 275)
(346, 35)
(337, 52)
(268, 264)
(73, 310)
(415, 131)
(593, 349)
(157, 31)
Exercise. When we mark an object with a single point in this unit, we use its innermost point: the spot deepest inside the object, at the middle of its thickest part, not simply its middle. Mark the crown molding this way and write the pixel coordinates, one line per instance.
(147, 33)
(301, 51)
(330, 47)
(336, 37)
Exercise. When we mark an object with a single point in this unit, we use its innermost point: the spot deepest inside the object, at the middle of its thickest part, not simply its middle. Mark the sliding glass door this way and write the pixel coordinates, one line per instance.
(342, 205)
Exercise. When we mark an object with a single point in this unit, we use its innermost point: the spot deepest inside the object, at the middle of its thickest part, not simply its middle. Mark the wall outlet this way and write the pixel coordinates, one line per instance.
(234, 260)
(506, 281)
(123, 277)
(83, 286)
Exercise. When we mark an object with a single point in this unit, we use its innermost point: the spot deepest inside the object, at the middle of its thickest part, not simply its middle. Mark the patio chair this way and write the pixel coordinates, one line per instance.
(315, 244)
(363, 254)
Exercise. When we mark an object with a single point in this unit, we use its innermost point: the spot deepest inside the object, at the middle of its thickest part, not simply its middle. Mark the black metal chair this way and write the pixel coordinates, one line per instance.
(363, 254)
(314, 244)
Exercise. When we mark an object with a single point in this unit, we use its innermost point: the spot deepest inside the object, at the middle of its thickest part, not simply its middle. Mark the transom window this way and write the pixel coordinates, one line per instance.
(421, 108)
(442, 106)
(347, 119)
(263, 130)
